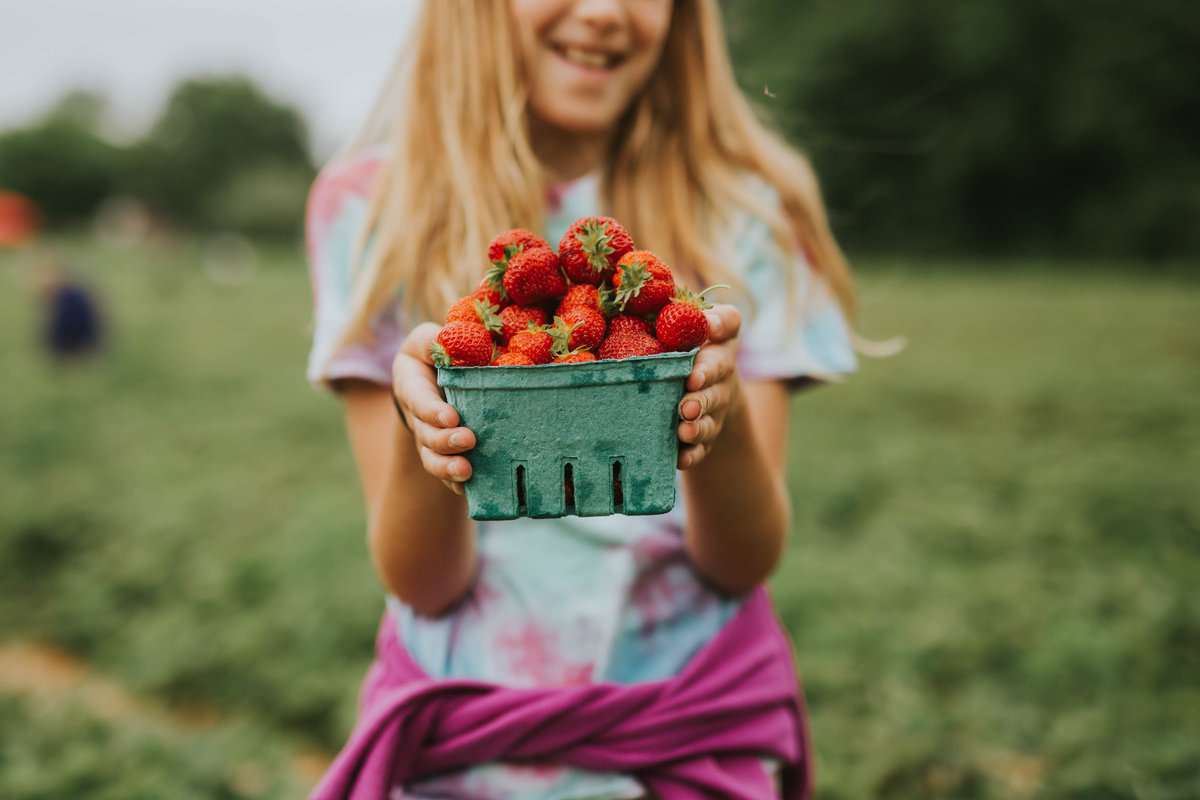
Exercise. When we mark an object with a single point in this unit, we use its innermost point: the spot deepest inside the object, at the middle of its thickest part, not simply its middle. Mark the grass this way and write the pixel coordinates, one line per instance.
(990, 583)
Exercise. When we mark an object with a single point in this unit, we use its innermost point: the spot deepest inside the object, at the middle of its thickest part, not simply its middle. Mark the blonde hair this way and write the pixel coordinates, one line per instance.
(460, 166)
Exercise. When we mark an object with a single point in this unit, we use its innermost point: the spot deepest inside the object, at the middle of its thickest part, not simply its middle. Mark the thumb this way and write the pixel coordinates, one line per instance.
(724, 322)
(417, 342)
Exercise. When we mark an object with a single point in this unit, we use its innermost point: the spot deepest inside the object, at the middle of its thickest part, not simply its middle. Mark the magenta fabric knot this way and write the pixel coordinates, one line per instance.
(700, 735)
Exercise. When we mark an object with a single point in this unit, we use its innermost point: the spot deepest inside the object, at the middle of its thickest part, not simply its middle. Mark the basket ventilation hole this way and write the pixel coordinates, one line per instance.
(521, 505)
(569, 488)
(618, 493)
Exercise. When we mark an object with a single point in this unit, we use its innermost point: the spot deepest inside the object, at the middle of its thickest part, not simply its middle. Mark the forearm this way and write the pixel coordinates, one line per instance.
(738, 508)
(420, 539)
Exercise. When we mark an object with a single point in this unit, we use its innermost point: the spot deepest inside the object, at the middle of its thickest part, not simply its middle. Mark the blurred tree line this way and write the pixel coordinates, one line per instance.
(965, 126)
(221, 155)
(989, 126)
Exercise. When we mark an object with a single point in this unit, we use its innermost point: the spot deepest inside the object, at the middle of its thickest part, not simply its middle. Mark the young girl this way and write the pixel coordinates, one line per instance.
(614, 657)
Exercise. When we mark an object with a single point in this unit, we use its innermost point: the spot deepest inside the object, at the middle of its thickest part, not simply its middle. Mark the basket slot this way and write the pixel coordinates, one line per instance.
(522, 509)
(568, 488)
(618, 492)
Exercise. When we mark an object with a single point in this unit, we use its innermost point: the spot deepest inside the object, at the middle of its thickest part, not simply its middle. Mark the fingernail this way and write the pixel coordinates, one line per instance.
(456, 440)
(443, 418)
(700, 376)
(714, 323)
(690, 409)
(456, 472)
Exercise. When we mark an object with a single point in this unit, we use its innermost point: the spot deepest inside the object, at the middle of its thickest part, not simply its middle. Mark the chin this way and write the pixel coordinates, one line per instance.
(584, 124)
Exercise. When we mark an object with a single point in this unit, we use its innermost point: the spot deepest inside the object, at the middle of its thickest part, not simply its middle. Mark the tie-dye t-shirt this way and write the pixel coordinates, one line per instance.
(568, 601)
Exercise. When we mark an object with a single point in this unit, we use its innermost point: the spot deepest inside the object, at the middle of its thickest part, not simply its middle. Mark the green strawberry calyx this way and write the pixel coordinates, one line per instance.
(489, 315)
(439, 355)
(594, 238)
(562, 336)
(688, 297)
(633, 278)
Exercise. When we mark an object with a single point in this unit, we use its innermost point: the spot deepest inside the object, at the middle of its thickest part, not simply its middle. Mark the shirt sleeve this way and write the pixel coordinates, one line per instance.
(337, 207)
(792, 330)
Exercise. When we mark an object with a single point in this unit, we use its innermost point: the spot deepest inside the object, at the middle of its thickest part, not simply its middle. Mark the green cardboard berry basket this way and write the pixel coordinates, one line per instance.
(587, 439)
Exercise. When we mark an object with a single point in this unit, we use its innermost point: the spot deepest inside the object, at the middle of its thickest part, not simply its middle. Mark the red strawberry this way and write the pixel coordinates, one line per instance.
(681, 324)
(580, 327)
(628, 323)
(462, 344)
(512, 359)
(536, 343)
(591, 248)
(575, 357)
(506, 245)
(489, 295)
(579, 295)
(644, 283)
(628, 345)
(472, 309)
(532, 276)
(518, 318)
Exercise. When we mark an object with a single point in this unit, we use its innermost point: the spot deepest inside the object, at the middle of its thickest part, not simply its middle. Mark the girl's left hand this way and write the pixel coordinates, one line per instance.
(712, 388)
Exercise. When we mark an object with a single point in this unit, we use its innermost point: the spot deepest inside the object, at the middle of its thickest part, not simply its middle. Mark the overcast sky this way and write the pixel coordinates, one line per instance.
(327, 56)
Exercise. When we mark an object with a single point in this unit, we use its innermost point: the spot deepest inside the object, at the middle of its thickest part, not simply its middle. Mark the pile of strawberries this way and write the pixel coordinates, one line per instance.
(597, 297)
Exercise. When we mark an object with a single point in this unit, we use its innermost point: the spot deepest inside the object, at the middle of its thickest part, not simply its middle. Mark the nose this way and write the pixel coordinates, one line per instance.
(601, 13)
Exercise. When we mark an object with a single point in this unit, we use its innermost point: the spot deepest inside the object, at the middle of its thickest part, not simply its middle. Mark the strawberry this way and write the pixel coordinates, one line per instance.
(681, 324)
(518, 318)
(580, 327)
(628, 323)
(489, 295)
(575, 357)
(506, 245)
(579, 295)
(472, 309)
(644, 283)
(591, 248)
(628, 345)
(536, 343)
(532, 276)
(462, 344)
(512, 359)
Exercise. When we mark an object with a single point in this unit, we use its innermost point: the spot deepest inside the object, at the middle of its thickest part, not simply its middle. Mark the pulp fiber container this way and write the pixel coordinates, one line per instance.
(589, 439)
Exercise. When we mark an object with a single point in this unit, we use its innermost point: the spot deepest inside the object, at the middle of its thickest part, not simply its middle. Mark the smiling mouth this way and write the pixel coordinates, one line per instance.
(591, 59)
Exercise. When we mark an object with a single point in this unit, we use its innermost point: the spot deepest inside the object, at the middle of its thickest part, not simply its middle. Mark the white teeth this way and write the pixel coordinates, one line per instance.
(585, 58)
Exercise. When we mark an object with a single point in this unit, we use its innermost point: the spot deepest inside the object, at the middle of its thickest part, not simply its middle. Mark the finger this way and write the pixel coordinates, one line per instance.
(724, 322)
(691, 455)
(447, 441)
(416, 389)
(457, 488)
(445, 468)
(697, 405)
(702, 431)
(712, 365)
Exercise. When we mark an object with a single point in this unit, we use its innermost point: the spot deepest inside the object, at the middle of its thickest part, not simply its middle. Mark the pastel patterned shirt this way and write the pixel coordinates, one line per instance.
(569, 601)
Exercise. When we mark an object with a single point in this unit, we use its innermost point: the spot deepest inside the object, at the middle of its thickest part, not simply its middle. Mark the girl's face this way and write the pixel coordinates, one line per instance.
(588, 59)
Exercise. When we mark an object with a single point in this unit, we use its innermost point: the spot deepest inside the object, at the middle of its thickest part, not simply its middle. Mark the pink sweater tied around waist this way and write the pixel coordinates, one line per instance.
(700, 735)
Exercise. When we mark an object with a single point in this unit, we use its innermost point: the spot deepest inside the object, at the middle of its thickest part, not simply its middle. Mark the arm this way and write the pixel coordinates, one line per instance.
(735, 438)
(420, 538)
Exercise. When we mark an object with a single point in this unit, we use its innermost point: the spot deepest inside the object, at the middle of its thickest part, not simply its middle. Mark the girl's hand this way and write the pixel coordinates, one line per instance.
(712, 388)
(432, 421)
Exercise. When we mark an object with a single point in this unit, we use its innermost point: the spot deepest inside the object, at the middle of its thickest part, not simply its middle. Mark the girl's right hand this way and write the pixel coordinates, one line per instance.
(439, 440)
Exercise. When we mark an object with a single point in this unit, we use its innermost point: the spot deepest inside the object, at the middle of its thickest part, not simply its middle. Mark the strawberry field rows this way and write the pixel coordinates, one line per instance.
(991, 582)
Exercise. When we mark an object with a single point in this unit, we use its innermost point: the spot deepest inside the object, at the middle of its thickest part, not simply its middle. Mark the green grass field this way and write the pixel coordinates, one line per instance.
(992, 582)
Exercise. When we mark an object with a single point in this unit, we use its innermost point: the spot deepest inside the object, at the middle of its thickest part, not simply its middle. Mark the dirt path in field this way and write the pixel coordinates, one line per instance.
(47, 676)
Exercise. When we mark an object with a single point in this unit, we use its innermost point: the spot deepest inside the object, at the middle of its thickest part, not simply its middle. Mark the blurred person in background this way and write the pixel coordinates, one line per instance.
(72, 328)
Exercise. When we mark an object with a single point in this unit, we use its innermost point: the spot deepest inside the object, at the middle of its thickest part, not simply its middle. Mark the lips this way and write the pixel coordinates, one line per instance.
(591, 59)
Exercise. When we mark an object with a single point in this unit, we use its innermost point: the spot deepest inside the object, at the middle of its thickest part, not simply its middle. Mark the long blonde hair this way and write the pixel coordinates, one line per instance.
(461, 168)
